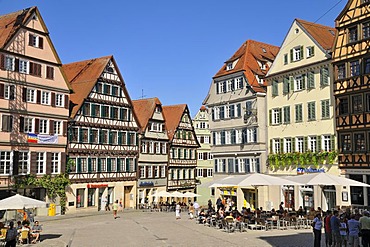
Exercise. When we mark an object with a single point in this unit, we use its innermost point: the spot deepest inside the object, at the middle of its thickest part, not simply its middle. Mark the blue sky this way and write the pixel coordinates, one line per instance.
(166, 48)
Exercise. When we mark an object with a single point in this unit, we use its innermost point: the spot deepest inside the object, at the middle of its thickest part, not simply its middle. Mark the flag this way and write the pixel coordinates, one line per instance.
(32, 138)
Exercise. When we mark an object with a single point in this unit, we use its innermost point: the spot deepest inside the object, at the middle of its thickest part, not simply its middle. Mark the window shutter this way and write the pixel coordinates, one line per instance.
(89, 164)
(21, 124)
(37, 125)
(127, 164)
(99, 164)
(332, 143)
(41, 42)
(51, 127)
(66, 101)
(301, 51)
(293, 144)
(291, 55)
(109, 164)
(129, 139)
(217, 88)
(78, 165)
(258, 168)
(119, 138)
(310, 80)
(65, 128)
(318, 144)
(2, 90)
(110, 137)
(270, 117)
(303, 81)
(118, 164)
(271, 146)
(80, 136)
(280, 115)
(32, 68)
(53, 99)
(247, 165)
(305, 144)
(239, 109)
(38, 96)
(291, 80)
(93, 113)
(281, 145)
(286, 85)
(30, 38)
(100, 136)
(324, 74)
(2, 61)
(312, 50)
(16, 65)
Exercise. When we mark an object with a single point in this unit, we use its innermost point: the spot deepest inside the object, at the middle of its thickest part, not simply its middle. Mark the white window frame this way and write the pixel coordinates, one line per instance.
(150, 171)
(276, 116)
(6, 163)
(9, 90)
(299, 144)
(31, 95)
(144, 147)
(45, 97)
(142, 172)
(251, 135)
(297, 53)
(41, 162)
(309, 51)
(151, 147)
(163, 172)
(229, 66)
(24, 66)
(55, 163)
(312, 143)
(9, 63)
(59, 100)
(209, 172)
(326, 143)
(158, 148)
(298, 83)
(58, 128)
(29, 125)
(22, 161)
(206, 139)
(276, 146)
(200, 156)
(287, 145)
(44, 126)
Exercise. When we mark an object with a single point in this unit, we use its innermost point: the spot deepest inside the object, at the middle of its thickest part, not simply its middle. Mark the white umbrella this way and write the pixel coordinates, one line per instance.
(190, 194)
(162, 193)
(324, 179)
(177, 194)
(19, 202)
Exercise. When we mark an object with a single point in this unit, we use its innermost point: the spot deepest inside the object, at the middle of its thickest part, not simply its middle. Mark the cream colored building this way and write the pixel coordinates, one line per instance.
(301, 126)
(205, 161)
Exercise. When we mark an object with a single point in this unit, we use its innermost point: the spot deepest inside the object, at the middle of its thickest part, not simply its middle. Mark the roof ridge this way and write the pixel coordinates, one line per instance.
(314, 23)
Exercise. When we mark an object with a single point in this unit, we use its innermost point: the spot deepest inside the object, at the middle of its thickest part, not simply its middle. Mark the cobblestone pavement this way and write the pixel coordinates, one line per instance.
(137, 228)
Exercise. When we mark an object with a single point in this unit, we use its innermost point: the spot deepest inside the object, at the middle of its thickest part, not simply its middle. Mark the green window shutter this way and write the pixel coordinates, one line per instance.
(128, 138)
(118, 164)
(291, 55)
(300, 116)
(301, 51)
(313, 50)
(293, 144)
(100, 136)
(291, 82)
(80, 135)
(93, 110)
(90, 136)
(89, 164)
(109, 164)
(286, 85)
(303, 81)
(313, 109)
(318, 144)
(297, 113)
(110, 137)
(270, 117)
(332, 143)
(271, 146)
(310, 80)
(286, 114)
(275, 89)
(178, 153)
(78, 165)
(111, 112)
(127, 164)
(99, 164)
(324, 77)
(281, 145)
(105, 89)
(70, 134)
(280, 114)
(119, 138)
(305, 144)
(129, 115)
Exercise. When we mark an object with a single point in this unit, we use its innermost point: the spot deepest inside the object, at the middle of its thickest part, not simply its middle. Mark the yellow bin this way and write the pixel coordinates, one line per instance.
(52, 209)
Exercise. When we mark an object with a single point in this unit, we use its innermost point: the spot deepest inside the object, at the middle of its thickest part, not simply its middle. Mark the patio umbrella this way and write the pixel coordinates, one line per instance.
(162, 193)
(190, 194)
(19, 202)
(177, 194)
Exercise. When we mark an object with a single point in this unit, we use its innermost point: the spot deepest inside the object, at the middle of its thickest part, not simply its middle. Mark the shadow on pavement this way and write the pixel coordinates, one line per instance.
(49, 236)
(290, 240)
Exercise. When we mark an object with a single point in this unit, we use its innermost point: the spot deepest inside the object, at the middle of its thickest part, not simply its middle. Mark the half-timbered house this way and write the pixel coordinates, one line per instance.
(33, 102)
(102, 136)
(351, 63)
(182, 162)
(153, 155)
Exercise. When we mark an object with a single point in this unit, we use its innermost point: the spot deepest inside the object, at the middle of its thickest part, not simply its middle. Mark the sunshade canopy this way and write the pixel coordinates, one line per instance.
(20, 202)
(325, 179)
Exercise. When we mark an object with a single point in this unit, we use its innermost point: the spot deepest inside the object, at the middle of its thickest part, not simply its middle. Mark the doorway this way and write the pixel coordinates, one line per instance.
(127, 193)
(101, 191)
(330, 197)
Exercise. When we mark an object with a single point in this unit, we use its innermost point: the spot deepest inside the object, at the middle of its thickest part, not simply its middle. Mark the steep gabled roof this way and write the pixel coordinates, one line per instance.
(144, 110)
(172, 115)
(82, 77)
(11, 23)
(324, 35)
(248, 54)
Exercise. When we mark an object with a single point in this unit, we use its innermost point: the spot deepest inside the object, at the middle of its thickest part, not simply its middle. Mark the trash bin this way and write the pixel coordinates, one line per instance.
(52, 209)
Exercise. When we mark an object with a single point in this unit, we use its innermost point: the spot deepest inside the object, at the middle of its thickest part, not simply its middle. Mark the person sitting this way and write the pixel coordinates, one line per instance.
(36, 230)
(25, 228)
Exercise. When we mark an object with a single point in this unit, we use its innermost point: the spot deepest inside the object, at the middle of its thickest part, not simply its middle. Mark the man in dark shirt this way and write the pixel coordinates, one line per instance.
(328, 236)
(335, 225)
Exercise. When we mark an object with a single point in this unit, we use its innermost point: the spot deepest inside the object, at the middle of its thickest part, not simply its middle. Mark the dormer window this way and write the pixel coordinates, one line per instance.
(263, 65)
(264, 50)
(229, 66)
(35, 41)
(158, 109)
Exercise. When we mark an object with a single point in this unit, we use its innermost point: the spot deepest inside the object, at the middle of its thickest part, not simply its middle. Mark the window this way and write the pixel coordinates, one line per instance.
(36, 41)
(150, 171)
(299, 145)
(285, 59)
(9, 63)
(357, 105)
(311, 111)
(367, 65)
(44, 126)
(229, 66)
(239, 82)
(324, 77)
(59, 100)
(104, 111)
(9, 92)
(359, 140)
(296, 53)
(354, 68)
(5, 161)
(299, 83)
(23, 163)
(343, 106)
(326, 143)
(286, 114)
(40, 163)
(35, 69)
(209, 172)
(275, 90)
(31, 95)
(298, 113)
(276, 146)
(45, 98)
(23, 66)
(325, 108)
(352, 34)
(57, 128)
(55, 161)
(311, 79)
(28, 125)
(276, 116)
(341, 70)
(287, 145)
(229, 85)
(346, 142)
(142, 172)
(7, 123)
(49, 72)
(366, 30)
(310, 51)
(313, 143)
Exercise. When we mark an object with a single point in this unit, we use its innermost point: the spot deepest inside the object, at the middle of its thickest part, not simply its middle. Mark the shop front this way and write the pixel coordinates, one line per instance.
(147, 188)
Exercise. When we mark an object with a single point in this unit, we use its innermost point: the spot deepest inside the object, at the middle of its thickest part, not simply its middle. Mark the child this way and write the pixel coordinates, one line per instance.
(343, 231)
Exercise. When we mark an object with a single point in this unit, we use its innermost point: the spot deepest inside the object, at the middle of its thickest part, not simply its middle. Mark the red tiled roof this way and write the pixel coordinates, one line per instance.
(144, 110)
(248, 54)
(172, 115)
(82, 77)
(203, 108)
(10, 24)
(324, 35)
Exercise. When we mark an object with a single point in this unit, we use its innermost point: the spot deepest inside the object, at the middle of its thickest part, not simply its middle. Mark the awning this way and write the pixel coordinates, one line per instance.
(93, 186)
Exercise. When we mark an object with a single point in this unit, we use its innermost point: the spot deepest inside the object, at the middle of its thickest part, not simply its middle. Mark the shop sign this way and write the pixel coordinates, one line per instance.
(94, 186)
(150, 183)
(228, 192)
(301, 170)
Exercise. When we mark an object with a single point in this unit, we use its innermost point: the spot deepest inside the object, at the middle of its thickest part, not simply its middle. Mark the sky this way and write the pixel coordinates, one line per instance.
(166, 48)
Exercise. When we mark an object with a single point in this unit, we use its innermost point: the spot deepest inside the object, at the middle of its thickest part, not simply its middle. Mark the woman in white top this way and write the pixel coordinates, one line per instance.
(317, 225)
(178, 211)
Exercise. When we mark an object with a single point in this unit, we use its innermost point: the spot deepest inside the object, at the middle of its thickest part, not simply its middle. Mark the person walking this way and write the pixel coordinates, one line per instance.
(191, 211)
(11, 235)
(107, 208)
(178, 211)
(365, 229)
(120, 205)
(196, 208)
(327, 228)
(335, 229)
(317, 225)
(353, 231)
(115, 209)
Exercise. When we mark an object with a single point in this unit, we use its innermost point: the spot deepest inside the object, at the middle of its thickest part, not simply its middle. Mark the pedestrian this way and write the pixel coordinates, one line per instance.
(191, 211)
(343, 231)
(115, 208)
(281, 208)
(365, 229)
(178, 211)
(353, 231)
(317, 225)
(11, 235)
(120, 205)
(106, 202)
(219, 203)
(335, 229)
(327, 228)
(196, 208)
